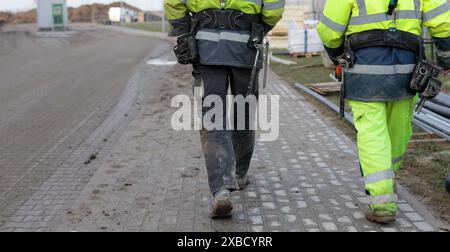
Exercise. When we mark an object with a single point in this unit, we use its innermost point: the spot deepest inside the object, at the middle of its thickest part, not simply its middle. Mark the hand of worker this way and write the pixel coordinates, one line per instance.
(446, 71)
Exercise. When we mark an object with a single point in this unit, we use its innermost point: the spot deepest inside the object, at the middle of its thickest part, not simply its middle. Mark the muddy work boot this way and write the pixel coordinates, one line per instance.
(380, 215)
(243, 182)
(222, 205)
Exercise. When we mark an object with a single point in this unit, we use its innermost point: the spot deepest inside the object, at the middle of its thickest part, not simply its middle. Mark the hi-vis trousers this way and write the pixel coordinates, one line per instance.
(383, 132)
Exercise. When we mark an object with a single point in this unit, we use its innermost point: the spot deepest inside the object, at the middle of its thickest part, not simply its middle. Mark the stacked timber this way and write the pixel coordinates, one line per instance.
(296, 31)
(294, 12)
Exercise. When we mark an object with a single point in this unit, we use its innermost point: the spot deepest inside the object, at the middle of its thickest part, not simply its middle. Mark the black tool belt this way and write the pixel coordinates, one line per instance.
(226, 19)
(398, 38)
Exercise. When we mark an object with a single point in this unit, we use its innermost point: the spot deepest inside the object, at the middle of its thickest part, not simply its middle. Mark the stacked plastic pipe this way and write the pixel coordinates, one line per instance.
(435, 116)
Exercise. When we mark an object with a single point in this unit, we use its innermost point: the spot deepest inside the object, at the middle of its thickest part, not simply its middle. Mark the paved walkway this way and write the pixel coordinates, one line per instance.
(152, 178)
(155, 180)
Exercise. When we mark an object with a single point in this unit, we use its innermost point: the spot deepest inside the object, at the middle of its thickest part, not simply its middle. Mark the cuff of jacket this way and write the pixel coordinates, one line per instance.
(334, 53)
(443, 51)
(267, 28)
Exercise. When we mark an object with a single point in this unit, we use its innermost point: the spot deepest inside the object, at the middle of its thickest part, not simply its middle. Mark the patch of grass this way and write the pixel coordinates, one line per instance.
(430, 162)
(307, 71)
(424, 172)
(149, 26)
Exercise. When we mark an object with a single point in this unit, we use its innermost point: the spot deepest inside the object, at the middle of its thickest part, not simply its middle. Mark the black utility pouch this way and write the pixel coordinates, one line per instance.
(256, 35)
(186, 49)
(425, 79)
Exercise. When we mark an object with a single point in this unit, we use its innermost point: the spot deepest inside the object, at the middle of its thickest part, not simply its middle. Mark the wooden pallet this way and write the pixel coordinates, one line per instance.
(307, 55)
(419, 139)
(281, 32)
(326, 88)
(278, 41)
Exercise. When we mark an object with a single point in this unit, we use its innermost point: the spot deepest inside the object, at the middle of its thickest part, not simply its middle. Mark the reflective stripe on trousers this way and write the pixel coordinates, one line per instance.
(383, 199)
(379, 176)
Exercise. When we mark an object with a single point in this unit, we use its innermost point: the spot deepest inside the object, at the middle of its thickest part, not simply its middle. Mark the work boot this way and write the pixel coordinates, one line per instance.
(380, 215)
(222, 205)
(243, 182)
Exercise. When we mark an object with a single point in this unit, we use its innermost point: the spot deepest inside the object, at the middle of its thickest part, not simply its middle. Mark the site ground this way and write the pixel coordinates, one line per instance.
(87, 145)
(425, 167)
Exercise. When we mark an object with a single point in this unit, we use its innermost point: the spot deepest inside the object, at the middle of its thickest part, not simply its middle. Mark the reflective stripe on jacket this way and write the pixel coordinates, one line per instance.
(270, 10)
(223, 47)
(345, 17)
(383, 73)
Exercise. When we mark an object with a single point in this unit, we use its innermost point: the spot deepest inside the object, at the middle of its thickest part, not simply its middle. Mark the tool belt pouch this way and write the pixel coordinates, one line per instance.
(348, 55)
(256, 35)
(425, 80)
(186, 49)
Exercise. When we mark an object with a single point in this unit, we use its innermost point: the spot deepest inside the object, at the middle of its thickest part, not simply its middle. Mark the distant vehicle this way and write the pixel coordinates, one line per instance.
(117, 14)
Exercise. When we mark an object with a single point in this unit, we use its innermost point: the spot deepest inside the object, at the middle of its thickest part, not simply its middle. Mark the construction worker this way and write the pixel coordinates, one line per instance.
(380, 41)
(225, 33)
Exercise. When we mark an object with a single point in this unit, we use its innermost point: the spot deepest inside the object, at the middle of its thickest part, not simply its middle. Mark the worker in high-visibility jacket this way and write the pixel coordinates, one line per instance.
(226, 57)
(384, 41)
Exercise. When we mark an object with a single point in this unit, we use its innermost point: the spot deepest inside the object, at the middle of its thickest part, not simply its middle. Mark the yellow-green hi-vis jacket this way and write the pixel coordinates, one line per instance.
(223, 47)
(383, 73)
(270, 10)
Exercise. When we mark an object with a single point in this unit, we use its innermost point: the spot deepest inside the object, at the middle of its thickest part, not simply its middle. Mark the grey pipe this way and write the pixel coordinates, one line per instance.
(430, 129)
(428, 121)
(328, 103)
(442, 99)
(433, 123)
(443, 120)
(438, 109)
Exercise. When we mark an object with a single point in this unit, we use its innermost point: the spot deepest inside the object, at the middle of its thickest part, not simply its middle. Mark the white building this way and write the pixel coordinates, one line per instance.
(52, 14)
(155, 5)
(117, 15)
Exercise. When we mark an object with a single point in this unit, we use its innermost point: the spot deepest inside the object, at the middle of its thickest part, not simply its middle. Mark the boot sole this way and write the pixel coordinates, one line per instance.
(222, 210)
(243, 187)
(381, 220)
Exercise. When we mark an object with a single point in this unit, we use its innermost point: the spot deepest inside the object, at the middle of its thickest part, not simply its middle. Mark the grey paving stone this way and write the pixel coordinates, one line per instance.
(154, 177)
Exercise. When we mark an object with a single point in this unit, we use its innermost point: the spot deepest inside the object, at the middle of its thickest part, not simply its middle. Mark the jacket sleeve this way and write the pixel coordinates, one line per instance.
(178, 15)
(272, 12)
(436, 16)
(333, 24)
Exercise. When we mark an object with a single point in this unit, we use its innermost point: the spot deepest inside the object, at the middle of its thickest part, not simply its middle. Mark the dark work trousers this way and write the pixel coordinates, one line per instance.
(227, 152)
